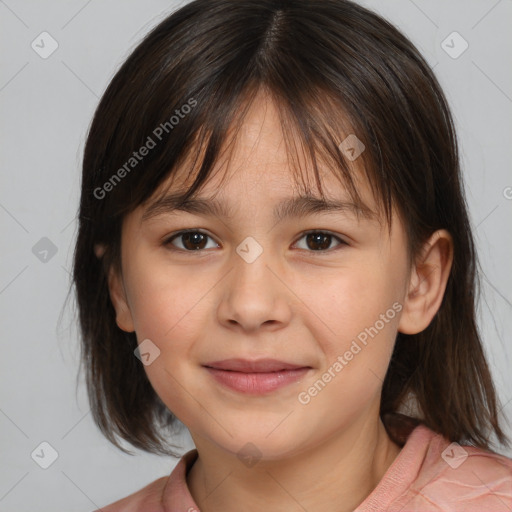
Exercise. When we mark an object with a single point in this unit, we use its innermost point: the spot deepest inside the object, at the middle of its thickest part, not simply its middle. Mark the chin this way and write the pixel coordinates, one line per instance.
(255, 445)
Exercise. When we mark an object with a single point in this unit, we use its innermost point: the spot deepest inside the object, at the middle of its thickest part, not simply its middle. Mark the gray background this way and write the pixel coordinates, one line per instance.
(46, 107)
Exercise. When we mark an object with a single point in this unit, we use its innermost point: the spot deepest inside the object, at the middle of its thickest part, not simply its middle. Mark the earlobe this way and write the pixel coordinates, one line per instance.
(117, 291)
(427, 283)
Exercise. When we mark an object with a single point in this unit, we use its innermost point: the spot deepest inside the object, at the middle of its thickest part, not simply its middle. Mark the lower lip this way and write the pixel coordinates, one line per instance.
(257, 383)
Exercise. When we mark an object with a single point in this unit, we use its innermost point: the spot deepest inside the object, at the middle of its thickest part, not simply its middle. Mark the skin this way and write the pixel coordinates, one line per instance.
(292, 303)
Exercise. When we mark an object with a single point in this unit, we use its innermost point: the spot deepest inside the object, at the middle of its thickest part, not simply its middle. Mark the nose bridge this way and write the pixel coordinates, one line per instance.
(254, 296)
(251, 260)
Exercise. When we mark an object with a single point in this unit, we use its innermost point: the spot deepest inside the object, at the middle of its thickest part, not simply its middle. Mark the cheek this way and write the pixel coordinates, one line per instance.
(169, 308)
(360, 309)
(164, 297)
(349, 300)
(359, 314)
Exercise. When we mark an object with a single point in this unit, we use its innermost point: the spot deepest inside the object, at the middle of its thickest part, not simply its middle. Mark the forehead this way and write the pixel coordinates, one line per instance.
(257, 165)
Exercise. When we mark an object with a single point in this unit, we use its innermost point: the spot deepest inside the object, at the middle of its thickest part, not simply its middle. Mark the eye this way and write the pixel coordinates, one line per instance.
(320, 241)
(192, 240)
(195, 240)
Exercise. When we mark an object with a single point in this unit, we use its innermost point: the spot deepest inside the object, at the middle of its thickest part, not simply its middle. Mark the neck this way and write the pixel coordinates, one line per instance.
(335, 476)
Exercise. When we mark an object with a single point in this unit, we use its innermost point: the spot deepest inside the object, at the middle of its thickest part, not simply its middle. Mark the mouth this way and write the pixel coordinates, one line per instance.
(256, 377)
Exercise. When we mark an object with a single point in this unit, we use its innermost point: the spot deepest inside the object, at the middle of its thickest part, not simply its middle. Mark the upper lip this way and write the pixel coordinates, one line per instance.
(255, 366)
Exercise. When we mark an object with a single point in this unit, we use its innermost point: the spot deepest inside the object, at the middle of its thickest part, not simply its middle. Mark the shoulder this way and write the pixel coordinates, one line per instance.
(457, 477)
(469, 461)
(147, 499)
(164, 494)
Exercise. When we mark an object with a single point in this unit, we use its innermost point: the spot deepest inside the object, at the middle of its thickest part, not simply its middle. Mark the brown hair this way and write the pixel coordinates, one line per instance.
(328, 65)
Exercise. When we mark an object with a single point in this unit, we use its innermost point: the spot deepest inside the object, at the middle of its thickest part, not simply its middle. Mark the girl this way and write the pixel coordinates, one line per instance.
(274, 250)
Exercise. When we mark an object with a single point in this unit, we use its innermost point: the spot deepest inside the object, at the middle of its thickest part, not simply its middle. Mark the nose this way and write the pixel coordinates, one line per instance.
(255, 294)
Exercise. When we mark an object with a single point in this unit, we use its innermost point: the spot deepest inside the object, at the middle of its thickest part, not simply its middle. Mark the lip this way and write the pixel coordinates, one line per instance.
(254, 366)
(256, 377)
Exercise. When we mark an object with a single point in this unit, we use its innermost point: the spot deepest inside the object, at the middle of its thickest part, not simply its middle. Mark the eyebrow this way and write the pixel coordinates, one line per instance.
(293, 207)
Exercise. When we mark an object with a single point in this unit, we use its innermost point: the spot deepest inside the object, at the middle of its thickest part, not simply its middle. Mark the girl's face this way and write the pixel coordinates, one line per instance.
(253, 286)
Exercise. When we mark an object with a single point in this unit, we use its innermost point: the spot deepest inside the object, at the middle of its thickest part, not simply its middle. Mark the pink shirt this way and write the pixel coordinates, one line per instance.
(429, 474)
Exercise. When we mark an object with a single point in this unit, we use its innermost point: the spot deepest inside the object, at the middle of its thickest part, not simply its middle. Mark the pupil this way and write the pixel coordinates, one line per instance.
(193, 239)
(317, 238)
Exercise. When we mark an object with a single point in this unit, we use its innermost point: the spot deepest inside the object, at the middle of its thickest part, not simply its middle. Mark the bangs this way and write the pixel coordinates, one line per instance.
(318, 136)
(191, 118)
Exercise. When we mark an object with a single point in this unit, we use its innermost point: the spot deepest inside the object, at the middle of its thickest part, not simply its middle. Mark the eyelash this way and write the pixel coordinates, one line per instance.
(168, 241)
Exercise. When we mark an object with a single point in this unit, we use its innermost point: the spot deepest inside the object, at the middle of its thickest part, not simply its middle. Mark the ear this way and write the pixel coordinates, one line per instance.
(99, 250)
(117, 291)
(427, 283)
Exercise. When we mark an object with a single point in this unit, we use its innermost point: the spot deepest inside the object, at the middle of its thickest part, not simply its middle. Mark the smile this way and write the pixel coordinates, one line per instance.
(256, 377)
